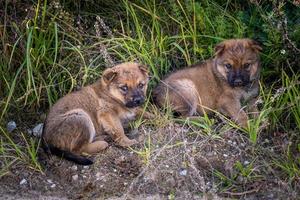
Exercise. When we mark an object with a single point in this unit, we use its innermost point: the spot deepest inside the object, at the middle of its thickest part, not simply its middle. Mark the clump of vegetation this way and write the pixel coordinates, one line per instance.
(50, 48)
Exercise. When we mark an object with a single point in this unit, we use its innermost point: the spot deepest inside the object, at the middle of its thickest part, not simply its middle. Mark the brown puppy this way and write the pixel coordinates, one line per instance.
(222, 84)
(76, 122)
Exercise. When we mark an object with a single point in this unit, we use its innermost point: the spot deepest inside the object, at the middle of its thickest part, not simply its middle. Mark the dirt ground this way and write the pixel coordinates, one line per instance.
(175, 161)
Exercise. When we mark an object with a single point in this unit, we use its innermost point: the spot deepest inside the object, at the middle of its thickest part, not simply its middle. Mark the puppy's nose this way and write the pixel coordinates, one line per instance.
(238, 82)
(138, 100)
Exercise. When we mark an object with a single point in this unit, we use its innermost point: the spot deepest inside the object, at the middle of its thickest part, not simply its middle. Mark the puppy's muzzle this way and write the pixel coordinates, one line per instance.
(238, 79)
(135, 102)
(237, 82)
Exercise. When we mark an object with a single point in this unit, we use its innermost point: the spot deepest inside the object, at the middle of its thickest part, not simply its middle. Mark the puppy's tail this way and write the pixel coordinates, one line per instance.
(67, 155)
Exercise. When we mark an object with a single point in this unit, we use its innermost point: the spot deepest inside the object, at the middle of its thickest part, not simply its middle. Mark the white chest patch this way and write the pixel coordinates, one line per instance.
(130, 116)
(127, 117)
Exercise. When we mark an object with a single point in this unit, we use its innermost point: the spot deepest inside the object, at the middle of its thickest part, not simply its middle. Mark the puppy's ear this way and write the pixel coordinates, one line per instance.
(109, 75)
(144, 69)
(219, 49)
(255, 45)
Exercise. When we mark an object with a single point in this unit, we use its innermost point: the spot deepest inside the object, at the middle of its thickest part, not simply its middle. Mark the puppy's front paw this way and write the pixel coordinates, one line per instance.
(125, 142)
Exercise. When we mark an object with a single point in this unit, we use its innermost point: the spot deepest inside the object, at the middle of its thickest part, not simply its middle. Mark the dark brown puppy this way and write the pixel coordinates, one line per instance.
(76, 122)
(222, 84)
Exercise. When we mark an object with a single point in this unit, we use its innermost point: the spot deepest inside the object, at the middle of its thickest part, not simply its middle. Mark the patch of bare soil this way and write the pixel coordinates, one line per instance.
(173, 162)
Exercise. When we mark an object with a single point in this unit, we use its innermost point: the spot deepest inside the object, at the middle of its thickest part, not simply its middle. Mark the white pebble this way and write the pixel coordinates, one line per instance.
(98, 174)
(246, 162)
(183, 172)
(266, 140)
(49, 181)
(75, 177)
(29, 131)
(74, 168)
(37, 130)
(23, 181)
(53, 185)
(85, 167)
(11, 125)
(225, 155)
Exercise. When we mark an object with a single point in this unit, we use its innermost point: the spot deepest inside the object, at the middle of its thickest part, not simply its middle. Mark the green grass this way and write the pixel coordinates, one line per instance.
(12, 153)
(50, 53)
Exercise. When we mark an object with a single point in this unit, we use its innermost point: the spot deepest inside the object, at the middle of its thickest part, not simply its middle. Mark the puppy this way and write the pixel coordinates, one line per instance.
(76, 122)
(222, 83)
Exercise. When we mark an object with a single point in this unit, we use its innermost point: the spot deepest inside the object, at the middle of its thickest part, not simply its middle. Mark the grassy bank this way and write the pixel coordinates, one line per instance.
(52, 48)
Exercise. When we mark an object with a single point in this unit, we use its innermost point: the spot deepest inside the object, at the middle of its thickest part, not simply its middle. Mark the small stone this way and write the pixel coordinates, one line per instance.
(23, 181)
(37, 130)
(167, 166)
(225, 155)
(114, 170)
(246, 162)
(85, 167)
(49, 181)
(98, 174)
(74, 167)
(240, 178)
(271, 196)
(183, 172)
(234, 143)
(11, 125)
(75, 177)
(266, 140)
(29, 131)
(84, 176)
(208, 185)
(53, 185)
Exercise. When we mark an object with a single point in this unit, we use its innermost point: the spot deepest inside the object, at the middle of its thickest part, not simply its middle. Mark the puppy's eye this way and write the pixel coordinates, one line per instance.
(141, 85)
(247, 66)
(124, 88)
(228, 66)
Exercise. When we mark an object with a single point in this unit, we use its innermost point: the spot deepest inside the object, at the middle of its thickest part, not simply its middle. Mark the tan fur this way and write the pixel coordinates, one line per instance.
(205, 87)
(77, 121)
